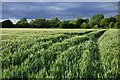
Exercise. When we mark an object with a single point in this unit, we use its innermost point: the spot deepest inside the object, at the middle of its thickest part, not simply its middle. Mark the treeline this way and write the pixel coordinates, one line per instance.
(95, 22)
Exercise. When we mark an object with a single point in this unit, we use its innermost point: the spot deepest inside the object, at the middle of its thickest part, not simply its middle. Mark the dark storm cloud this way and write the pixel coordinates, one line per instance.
(61, 0)
(62, 10)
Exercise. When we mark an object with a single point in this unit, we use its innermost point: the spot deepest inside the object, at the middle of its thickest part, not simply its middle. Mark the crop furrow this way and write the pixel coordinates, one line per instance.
(45, 57)
(66, 62)
(109, 54)
(18, 57)
(78, 33)
(64, 48)
(60, 66)
(53, 50)
(25, 50)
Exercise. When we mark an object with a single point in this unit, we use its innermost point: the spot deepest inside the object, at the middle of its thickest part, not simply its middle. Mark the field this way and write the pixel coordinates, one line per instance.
(60, 53)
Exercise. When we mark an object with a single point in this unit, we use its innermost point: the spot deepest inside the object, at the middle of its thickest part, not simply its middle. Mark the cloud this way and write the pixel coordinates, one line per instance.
(62, 10)
(60, 0)
(14, 20)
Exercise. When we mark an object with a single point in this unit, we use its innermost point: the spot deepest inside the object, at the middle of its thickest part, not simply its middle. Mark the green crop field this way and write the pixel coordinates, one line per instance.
(60, 53)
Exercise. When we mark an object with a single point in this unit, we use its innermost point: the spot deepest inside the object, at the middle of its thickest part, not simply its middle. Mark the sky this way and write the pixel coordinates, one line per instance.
(60, 0)
(62, 10)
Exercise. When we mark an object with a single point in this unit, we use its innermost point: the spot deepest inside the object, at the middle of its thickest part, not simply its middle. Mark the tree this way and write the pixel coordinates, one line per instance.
(86, 20)
(71, 21)
(104, 23)
(116, 25)
(95, 20)
(111, 25)
(112, 19)
(66, 24)
(79, 21)
(96, 27)
(54, 22)
(0, 24)
(7, 24)
(23, 23)
(117, 19)
(39, 23)
(84, 25)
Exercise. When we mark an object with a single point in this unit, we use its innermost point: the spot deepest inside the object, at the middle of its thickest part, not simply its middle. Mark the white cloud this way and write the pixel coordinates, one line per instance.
(60, 1)
(55, 8)
(14, 20)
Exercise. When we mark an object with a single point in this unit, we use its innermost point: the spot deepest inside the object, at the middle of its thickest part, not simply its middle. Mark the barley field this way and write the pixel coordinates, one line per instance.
(60, 53)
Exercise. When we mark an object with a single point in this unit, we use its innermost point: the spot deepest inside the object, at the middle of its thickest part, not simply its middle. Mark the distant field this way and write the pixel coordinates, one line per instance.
(60, 53)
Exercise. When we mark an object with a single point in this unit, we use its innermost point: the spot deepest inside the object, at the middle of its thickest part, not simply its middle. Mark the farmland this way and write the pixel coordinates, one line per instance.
(60, 53)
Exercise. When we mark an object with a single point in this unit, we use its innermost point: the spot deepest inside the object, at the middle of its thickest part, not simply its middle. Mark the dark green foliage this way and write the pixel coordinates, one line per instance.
(111, 25)
(85, 25)
(39, 23)
(79, 21)
(7, 24)
(105, 22)
(116, 25)
(95, 22)
(54, 22)
(22, 23)
(66, 25)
